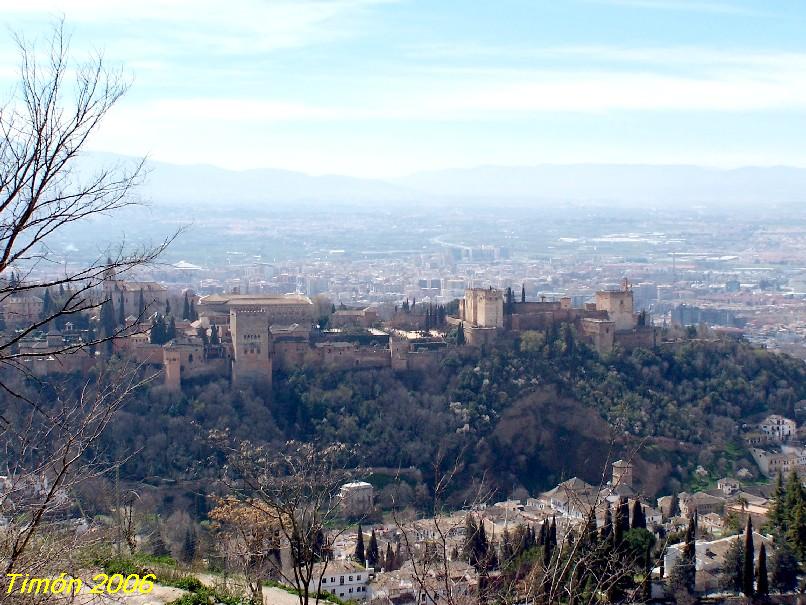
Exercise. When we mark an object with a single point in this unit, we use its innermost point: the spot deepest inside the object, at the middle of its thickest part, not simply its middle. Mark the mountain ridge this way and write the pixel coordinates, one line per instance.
(620, 184)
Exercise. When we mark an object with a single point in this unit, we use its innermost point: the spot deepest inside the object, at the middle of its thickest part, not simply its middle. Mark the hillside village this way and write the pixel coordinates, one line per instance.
(721, 514)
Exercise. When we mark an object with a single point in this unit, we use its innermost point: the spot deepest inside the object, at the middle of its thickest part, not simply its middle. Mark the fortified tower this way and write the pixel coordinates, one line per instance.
(483, 308)
(173, 369)
(622, 473)
(619, 307)
(249, 327)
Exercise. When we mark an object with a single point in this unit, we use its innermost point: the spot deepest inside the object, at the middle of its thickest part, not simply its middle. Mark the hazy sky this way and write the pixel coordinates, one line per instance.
(384, 87)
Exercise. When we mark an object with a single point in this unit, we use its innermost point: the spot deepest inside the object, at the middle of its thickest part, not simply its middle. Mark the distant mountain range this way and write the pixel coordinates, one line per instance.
(620, 184)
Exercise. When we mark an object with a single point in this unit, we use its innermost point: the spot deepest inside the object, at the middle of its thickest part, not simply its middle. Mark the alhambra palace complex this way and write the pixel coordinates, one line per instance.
(248, 336)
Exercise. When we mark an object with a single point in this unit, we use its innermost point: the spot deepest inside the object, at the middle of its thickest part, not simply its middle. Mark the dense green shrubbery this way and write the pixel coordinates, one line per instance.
(525, 413)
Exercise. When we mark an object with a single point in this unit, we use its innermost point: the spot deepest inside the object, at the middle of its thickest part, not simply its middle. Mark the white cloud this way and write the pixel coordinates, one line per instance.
(604, 91)
(697, 6)
(235, 26)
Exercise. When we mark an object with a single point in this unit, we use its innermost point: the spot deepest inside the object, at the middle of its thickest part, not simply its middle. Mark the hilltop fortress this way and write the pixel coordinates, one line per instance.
(248, 337)
(485, 315)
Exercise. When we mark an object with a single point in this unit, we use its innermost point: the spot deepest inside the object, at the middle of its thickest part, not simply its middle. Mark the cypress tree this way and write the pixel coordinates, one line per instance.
(153, 336)
(358, 555)
(189, 546)
(122, 311)
(590, 534)
(749, 551)
(552, 537)
(523, 293)
(507, 550)
(141, 305)
(47, 305)
(607, 526)
(762, 581)
(193, 315)
(186, 308)
(389, 562)
(158, 547)
(170, 332)
(482, 547)
(373, 554)
(684, 572)
(167, 307)
(638, 517)
(214, 339)
(319, 546)
(460, 334)
(618, 528)
(777, 514)
(108, 322)
(548, 550)
(647, 584)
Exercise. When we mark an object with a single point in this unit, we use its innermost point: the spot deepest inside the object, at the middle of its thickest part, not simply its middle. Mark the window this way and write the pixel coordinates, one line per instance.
(351, 591)
(324, 580)
(351, 578)
(358, 577)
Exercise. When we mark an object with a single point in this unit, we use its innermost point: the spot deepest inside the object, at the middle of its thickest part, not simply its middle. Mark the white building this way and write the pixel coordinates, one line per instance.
(344, 579)
(778, 428)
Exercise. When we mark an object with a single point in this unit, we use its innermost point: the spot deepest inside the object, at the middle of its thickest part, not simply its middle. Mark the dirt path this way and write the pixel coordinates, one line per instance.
(159, 596)
(271, 596)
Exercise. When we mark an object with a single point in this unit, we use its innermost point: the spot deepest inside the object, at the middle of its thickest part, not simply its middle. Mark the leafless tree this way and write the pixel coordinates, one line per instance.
(46, 458)
(429, 541)
(293, 489)
(50, 434)
(44, 127)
